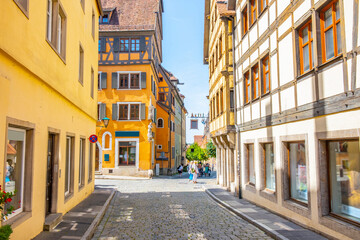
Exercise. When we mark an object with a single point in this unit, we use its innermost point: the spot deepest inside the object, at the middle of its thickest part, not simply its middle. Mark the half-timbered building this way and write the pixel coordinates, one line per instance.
(297, 110)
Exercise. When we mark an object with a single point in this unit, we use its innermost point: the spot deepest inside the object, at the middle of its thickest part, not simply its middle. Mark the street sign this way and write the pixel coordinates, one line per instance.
(93, 138)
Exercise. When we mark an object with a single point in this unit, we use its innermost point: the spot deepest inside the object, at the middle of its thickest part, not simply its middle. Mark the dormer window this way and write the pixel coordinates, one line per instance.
(105, 18)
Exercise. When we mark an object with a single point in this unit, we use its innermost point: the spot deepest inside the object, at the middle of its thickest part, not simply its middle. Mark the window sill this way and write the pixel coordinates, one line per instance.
(90, 181)
(127, 88)
(297, 207)
(128, 120)
(305, 74)
(331, 61)
(18, 219)
(269, 195)
(68, 197)
(26, 13)
(57, 53)
(250, 187)
(262, 12)
(350, 228)
(81, 187)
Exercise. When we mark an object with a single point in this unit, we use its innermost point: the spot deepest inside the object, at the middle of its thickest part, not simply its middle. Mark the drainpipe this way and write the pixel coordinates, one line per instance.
(235, 107)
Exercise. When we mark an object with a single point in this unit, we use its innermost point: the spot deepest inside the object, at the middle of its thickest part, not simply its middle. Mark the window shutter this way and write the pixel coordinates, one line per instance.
(152, 85)
(155, 113)
(102, 111)
(143, 80)
(116, 45)
(142, 111)
(115, 112)
(115, 80)
(103, 79)
(142, 44)
(103, 44)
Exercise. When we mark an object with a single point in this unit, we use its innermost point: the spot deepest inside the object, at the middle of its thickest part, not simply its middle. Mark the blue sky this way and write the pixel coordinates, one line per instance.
(183, 22)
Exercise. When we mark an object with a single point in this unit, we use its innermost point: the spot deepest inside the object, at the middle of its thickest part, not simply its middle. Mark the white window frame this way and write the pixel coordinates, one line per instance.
(103, 141)
(129, 103)
(49, 20)
(157, 123)
(19, 210)
(129, 80)
(117, 151)
(59, 33)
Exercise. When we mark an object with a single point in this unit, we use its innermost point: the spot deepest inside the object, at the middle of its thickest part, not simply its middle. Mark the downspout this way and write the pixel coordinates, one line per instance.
(235, 107)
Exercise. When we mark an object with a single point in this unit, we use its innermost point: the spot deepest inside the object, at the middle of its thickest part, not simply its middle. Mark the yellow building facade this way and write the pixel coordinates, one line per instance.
(218, 55)
(48, 103)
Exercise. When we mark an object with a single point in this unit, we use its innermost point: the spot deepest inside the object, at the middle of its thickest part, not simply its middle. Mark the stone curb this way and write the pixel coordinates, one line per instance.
(260, 225)
(109, 177)
(91, 230)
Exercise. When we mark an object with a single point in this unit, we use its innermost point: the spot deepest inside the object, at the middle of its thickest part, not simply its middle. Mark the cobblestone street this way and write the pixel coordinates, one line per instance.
(169, 209)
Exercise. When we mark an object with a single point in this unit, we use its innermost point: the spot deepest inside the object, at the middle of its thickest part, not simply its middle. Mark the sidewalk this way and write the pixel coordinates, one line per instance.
(114, 177)
(274, 225)
(81, 221)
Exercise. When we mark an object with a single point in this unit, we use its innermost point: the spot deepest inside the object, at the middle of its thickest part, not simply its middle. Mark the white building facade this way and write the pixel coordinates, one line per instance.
(297, 110)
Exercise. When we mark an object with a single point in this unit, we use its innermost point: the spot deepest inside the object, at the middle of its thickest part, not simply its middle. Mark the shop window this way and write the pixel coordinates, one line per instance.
(127, 153)
(306, 47)
(265, 81)
(344, 178)
(330, 24)
(297, 169)
(250, 163)
(270, 181)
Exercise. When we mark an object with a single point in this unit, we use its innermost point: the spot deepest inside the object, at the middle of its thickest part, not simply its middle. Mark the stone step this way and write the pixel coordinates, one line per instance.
(51, 221)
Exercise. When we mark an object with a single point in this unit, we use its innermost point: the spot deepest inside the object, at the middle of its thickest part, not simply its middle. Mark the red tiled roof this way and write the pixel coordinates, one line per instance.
(223, 9)
(130, 15)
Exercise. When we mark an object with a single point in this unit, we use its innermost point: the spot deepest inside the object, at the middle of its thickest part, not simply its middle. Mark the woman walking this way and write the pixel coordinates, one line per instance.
(196, 172)
(189, 168)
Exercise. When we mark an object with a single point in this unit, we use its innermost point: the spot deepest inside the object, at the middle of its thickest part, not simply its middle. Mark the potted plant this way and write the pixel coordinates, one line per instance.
(6, 209)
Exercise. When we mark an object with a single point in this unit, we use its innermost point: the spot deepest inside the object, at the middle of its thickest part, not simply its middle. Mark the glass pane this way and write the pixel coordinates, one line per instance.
(344, 161)
(67, 165)
(338, 37)
(251, 164)
(267, 82)
(306, 60)
(269, 166)
(305, 36)
(124, 155)
(337, 9)
(328, 17)
(132, 155)
(298, 172)
(329, 43)
(14, 167)
(312, 54)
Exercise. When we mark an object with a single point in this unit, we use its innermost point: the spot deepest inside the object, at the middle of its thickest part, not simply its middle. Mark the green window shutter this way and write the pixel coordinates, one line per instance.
(116, 45)
(142, 44)
(115, 112)
(103, 44)
(115, 80)
(142, 111)
(152, 84)
(102, 110)
(155, 115)
(143, 80)
(103, 79)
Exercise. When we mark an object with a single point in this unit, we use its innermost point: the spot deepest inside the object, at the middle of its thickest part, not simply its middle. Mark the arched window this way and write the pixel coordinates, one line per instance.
(160, 123)
(106, 141)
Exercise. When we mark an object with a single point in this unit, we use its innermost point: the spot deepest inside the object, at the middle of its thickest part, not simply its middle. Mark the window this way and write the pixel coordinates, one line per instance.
(127, 153)
(102, 78)
(56, 27)
(123, 111)
(134, 111)
(135, 81)
(270, 181)
(135, 44)
(330, 31)
(172, 152)
(129, 111)
(106, 141)
(232, 100)
(245, 21)
(220, 47)
(306, 48)
(82, 2)
(217, 104)
(82, 162)
(92, 83)
(160, 123)
(344, 174)
(263, 4)
(266, 75)
(93, 24)
(124, 81)
(161, 79)
(221, 100)
(194, 124)
(297, 170)
(159, 146)
(250, 163)
(247, 87)
(81, 65)
(91, 159)
(101, 111)
(124, 45)
(255, 82)
(69, 166)
(15, 167)
(162, 97)
(105, 18)
(253, 11)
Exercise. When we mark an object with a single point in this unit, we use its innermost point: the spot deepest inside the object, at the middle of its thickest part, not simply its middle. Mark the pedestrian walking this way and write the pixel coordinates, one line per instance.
(190, 171)
(195, 173)
(180, 169)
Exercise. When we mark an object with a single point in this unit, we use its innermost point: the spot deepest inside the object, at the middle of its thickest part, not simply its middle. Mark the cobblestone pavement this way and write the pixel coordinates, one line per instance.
(169, 209)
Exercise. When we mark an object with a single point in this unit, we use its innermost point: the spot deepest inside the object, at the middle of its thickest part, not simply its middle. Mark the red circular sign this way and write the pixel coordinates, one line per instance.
(93, 138)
